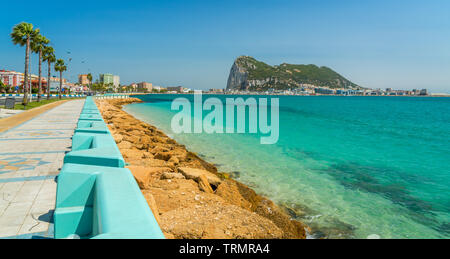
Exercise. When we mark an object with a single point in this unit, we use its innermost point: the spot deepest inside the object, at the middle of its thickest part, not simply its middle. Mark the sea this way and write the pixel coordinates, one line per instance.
(349, 167)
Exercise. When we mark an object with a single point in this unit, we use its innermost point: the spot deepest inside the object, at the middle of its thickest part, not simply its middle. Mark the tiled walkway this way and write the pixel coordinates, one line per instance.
(31, 156)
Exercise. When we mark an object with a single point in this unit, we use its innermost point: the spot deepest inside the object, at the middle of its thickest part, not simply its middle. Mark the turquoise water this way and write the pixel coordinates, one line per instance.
(355, 166)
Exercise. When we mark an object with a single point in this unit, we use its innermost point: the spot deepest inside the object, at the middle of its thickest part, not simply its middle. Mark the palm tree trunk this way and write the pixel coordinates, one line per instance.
(40, 79)
(25, 79)
(48, 80)
(60, 84)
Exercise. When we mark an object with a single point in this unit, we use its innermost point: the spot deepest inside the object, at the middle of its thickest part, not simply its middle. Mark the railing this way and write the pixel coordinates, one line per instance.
(97, 197)
(112, 96)
(45, 95)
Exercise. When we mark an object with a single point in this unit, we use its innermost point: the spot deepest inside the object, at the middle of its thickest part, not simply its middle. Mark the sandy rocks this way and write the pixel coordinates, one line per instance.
(174, 160)
(143, 175)
(218, 220)
(194, 174)
(131, 154)
(125, 145)
(204, 185)
(168, 175)
(159, 149)
(292, 229)
(118, 138)
(240, 195)
(147, 155)
(163, 156)
(152, 204)
(230, 191)
(135, 139)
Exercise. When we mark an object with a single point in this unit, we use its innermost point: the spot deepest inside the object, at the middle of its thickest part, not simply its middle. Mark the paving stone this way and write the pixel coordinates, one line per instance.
(29, 152)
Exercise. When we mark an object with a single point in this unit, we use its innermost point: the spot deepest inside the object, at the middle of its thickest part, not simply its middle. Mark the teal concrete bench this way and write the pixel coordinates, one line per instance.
(91, 117)
(96, 197)
(90, 111)
(89, 124)
(94, 127)
(94, 149)
(102, 203)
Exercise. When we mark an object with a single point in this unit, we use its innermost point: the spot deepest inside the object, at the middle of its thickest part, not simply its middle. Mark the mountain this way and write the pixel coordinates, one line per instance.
(248, 73)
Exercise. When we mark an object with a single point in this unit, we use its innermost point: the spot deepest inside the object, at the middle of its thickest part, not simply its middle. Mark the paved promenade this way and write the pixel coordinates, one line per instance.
(31, 156)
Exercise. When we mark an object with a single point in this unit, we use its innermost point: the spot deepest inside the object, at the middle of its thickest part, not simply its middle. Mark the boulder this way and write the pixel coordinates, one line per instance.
(118, 138)
(230, 191)
(194, 174)
(148, 155)
(125, 145)
(131, 154)
(174, 160)
(143, 175)
(168, 175)
(204, 185)
(146, 139)
(292, 229)
(152, 204)
(134, 139)
(163, 156)
(159, 149)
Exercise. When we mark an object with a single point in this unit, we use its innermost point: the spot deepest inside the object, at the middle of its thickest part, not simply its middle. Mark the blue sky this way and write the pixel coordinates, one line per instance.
(402, 44)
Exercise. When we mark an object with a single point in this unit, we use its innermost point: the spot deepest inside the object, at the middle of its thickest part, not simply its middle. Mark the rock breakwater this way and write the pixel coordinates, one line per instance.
(190, 198)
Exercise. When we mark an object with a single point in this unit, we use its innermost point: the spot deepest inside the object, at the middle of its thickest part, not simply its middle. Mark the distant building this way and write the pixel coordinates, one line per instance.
(144, 87)
(219, 91)
(347, 92)
(77, 88)
(323, 90)
(116, 81)
(106, 78)
(11, 78)
(110, 79)
(54, 85)
(83, 80)
(424, 92)
(178, 89)
(158, 88)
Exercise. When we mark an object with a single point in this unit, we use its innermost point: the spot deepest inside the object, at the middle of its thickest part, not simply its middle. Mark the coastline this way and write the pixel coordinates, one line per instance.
(312, 95)
(188, 196)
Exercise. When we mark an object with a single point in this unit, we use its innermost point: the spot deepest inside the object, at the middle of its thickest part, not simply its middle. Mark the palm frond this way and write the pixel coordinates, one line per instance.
(23, 31)
(38, 43)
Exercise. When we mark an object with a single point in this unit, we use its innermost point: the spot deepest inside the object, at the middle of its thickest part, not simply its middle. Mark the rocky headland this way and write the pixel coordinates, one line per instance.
(189, 197)
(247, 73)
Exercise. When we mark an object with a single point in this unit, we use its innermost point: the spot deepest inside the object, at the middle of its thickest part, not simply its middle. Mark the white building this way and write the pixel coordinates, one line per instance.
(11, 78)
(116, 81)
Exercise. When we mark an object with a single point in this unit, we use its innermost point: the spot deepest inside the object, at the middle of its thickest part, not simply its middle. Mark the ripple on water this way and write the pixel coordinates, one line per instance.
(362, 177)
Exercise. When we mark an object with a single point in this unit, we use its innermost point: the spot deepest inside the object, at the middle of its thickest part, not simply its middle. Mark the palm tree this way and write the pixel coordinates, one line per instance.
(89, 77)
(38, 45)
(61, 67)
(22, 34)
(49, 56)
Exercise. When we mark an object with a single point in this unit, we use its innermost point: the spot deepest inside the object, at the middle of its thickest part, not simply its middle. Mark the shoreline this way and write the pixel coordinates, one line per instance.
(190, 198)
(315, 95)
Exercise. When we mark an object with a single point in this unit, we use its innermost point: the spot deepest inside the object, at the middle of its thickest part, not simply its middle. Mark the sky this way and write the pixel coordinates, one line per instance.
(400, 44)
